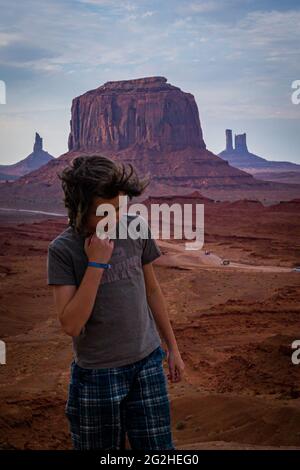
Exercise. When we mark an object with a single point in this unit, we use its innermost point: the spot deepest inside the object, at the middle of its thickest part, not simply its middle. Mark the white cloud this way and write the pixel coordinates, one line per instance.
(148, 13)
(8, 38)
(204, 6)
(265, 28)
(110, 3)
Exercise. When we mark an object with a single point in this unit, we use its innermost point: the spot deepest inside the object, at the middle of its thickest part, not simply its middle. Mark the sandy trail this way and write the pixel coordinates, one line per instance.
(50, 214)
(178, 256)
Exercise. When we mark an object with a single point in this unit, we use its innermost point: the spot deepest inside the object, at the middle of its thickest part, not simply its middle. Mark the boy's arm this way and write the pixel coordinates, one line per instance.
(74, 305)
(158, 307)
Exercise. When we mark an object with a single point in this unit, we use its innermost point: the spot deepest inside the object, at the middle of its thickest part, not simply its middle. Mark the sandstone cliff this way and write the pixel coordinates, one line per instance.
(148, 113)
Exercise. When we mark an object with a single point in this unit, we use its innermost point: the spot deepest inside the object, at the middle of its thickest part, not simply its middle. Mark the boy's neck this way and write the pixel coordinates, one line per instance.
(88, 232)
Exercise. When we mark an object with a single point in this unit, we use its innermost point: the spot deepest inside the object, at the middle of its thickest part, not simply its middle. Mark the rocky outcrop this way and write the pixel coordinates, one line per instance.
(38, 144)
(146, 113)
(34, 161)
(240, 142)
(154, 125)
(240, 157)
(229, 147)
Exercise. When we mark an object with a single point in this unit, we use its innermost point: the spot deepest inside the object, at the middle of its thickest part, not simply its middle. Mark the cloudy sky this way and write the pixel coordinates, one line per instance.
(237, 57)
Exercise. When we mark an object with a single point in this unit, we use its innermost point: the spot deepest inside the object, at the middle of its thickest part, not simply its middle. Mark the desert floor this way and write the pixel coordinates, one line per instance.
(234, 325)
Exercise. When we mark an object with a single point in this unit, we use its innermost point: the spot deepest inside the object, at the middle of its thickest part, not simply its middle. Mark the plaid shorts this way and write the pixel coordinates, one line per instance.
(104, 404)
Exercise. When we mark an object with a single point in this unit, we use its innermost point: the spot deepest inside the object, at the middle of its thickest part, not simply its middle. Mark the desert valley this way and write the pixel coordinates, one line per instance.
(235, 322)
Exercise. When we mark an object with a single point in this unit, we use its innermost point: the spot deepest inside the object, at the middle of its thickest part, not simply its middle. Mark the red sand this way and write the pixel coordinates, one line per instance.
(234, 327)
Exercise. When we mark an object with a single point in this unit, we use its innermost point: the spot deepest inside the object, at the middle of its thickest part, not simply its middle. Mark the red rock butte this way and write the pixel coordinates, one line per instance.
(154, 125)
(146, 112)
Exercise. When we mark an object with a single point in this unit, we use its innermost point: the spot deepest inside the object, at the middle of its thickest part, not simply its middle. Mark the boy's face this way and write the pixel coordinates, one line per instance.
(93, 219)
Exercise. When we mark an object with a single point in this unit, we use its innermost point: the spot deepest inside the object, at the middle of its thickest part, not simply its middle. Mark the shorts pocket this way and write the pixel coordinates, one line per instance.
(158, 355)
(163, 352)
(85, 376)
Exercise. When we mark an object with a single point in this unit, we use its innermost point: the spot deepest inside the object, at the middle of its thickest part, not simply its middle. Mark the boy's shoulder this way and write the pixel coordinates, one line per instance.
(67, 238)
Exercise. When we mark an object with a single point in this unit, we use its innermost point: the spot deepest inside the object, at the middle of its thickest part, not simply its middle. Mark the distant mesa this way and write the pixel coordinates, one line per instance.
(240, 157)
(34, 161)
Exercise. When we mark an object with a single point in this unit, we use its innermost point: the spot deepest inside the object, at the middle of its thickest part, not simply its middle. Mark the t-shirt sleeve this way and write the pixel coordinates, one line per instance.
(151, 250)
(59, 268)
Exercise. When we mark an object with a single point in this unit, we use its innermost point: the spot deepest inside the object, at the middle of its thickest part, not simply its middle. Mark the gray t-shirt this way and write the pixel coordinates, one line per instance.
(121, 328)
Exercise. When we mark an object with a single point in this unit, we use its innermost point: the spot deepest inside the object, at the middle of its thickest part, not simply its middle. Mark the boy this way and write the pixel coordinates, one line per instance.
(109, 301)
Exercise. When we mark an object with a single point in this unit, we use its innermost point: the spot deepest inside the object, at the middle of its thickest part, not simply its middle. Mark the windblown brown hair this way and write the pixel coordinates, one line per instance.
(99, 176)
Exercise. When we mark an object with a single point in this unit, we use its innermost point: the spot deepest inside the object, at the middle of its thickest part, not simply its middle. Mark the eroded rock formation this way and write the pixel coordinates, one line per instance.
(147, 112)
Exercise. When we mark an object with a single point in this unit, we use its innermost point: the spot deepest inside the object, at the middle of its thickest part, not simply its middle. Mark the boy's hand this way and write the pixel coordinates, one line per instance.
(99, 250)
(176, 365)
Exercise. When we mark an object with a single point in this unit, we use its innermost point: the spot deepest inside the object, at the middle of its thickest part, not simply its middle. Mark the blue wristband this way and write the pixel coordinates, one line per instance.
(99, 265)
